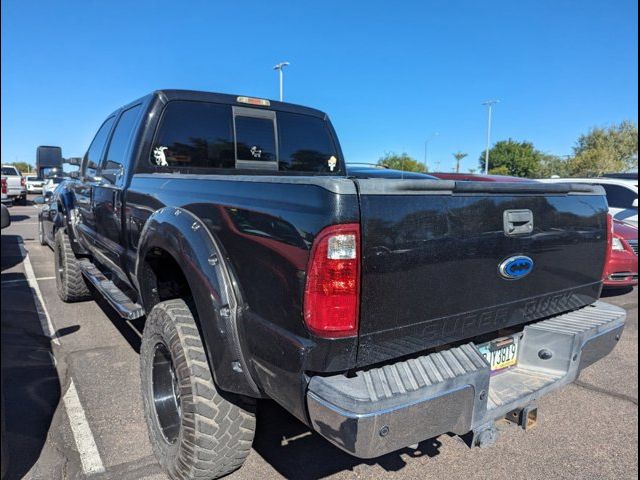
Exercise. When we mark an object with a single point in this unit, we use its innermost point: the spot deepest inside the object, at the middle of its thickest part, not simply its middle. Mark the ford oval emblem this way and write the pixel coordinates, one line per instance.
(516, 267)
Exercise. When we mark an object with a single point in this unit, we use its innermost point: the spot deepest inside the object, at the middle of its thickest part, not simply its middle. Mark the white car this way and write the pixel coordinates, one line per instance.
(34, 184)
(622, 195)
(16, 184)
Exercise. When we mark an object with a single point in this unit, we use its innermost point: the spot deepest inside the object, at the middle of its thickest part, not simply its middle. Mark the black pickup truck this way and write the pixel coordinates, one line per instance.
(379, 308)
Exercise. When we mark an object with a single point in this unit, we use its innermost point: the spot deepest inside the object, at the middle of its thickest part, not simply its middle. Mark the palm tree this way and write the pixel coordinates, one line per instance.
(459, 156)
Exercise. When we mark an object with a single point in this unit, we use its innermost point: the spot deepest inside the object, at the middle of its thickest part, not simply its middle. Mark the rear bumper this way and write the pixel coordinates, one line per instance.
(383, 409)
(621, 279)
(13, 193)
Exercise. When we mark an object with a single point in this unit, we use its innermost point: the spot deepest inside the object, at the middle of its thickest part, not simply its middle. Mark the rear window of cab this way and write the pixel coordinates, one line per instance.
(10, 171)
(203, 135)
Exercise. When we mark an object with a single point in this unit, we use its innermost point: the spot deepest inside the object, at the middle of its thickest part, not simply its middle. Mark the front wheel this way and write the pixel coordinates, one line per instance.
(196, 431)
(69, 279)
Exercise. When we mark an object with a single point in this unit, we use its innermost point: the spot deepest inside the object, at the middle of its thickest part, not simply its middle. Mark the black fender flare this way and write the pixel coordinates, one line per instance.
(193, 246)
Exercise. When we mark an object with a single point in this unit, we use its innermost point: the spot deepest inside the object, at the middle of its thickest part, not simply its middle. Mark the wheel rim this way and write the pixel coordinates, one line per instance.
(166, 393)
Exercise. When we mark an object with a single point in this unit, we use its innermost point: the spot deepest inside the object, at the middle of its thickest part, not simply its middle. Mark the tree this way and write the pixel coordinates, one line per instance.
(510, 157)
(401, 162)
(459, 156)
(23, 167)
(605, 150)
(551, 165)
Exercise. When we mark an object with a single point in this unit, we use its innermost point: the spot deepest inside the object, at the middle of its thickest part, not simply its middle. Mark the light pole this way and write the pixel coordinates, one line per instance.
(490, 104)
(426, 143)
(280, 66)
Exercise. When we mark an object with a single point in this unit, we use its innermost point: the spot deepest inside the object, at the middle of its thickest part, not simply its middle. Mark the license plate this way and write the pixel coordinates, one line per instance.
(501, 353)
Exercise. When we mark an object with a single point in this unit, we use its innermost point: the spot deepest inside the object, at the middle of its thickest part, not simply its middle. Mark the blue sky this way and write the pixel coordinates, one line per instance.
(390, 74)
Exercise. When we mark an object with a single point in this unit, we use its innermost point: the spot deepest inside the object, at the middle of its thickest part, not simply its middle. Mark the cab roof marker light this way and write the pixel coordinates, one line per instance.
(254, 101)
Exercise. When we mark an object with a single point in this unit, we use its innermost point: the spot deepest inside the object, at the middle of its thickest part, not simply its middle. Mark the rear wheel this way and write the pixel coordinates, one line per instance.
(196, 431)
(69, 279)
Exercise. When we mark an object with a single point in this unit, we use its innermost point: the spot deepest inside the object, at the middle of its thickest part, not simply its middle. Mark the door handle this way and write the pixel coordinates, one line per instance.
(517, 222)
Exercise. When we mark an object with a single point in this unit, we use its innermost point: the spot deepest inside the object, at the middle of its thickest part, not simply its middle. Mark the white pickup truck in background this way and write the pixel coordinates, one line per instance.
(16, 184)
(34, 184)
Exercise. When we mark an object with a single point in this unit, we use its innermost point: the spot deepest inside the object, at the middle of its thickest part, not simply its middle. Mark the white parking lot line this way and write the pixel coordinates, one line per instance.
(45, 320)
(23, 280)
(85, 442)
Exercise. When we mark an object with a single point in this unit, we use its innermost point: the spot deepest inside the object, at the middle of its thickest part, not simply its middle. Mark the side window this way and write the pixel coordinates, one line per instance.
(305, 144)
(116, 160)
(194, 134)
(619, 197)
(255, 132)
(92, 158)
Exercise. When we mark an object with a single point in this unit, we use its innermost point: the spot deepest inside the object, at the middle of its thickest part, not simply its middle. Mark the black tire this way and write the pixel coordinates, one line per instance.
(69, 279)
(199, 433)
(41, 238)
(22, 201)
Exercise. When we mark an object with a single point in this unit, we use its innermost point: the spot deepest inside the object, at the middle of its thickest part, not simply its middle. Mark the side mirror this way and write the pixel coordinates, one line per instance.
(635, 203)
(39, 200)
(47, 196)
(48, 156)
(6, 218)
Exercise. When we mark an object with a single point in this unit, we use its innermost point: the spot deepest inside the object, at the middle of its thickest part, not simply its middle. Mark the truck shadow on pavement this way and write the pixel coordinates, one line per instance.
(30, 382)
(615, 292)
(131, 330)
(19, 218)
(295, 451)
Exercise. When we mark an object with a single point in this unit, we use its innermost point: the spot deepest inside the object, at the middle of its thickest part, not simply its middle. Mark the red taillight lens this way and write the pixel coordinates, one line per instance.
(23, 181)
(332, 292)
(607, 256)
(4, 185)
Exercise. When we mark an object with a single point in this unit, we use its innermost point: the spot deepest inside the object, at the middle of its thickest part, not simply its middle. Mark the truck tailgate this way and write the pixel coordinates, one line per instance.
(431, 252)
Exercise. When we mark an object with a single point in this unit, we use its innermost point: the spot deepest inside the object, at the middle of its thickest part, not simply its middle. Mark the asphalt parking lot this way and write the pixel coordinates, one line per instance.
(73, 408)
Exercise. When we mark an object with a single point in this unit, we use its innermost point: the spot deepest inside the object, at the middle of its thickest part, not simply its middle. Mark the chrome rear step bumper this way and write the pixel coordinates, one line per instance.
(383, 409)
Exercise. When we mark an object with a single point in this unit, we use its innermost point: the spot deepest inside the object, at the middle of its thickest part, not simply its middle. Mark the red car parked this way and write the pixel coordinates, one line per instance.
(621, 269)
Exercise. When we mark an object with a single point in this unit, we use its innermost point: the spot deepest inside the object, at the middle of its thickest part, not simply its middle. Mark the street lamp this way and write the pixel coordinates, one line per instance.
(490, 104)
(280, 66)
(426, 142)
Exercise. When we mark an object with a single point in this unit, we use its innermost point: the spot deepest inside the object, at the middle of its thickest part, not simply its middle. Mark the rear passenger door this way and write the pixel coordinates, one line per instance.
(108, 194)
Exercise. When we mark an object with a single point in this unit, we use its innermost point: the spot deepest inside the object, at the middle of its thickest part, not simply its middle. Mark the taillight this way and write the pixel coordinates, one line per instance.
(4, 185)
(332, 292)
(607, 256)
(22, 181)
